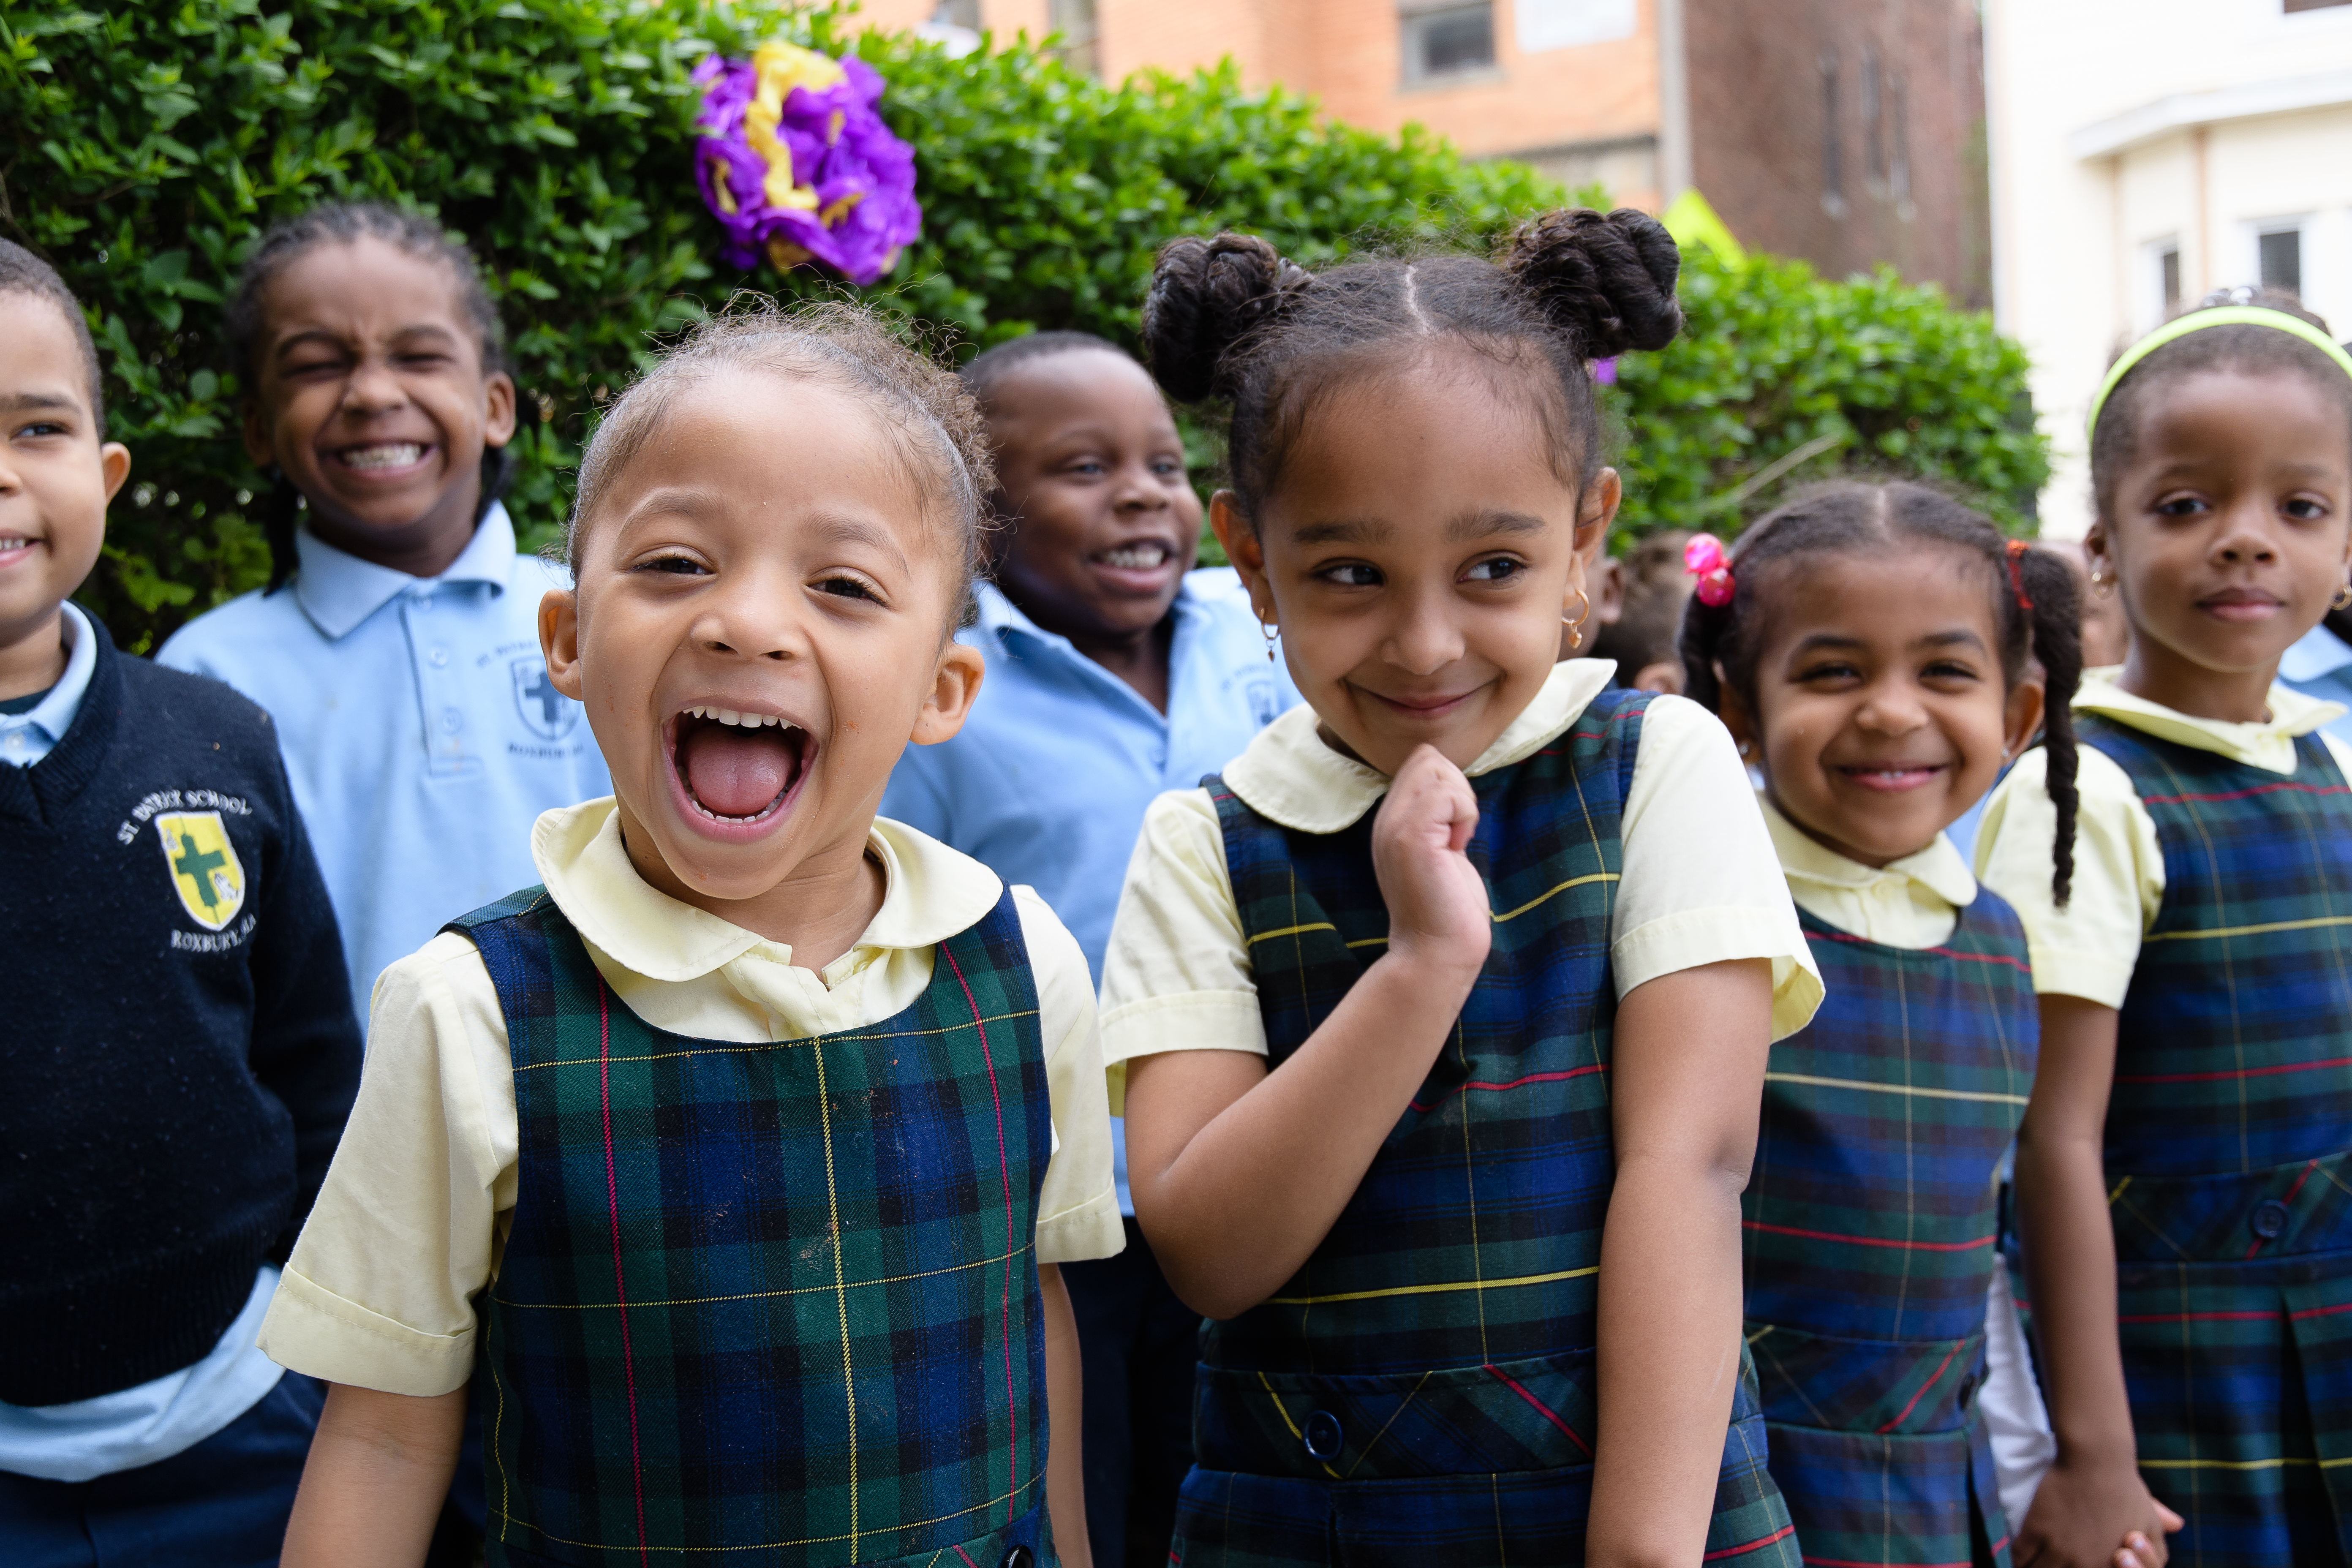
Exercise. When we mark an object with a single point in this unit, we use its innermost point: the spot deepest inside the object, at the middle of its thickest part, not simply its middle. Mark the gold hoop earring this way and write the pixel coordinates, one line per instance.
(1269, 631)
(1575, 624)
(2103, 585)
(2343, 600)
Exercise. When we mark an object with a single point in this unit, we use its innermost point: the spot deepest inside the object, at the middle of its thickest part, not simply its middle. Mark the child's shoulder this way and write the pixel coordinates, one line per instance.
(174, 706)
(252, 626)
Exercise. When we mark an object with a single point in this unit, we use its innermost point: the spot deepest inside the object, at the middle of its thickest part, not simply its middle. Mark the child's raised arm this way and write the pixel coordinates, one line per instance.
(379, 1467)
(1686, 1077)
(1238, 1172)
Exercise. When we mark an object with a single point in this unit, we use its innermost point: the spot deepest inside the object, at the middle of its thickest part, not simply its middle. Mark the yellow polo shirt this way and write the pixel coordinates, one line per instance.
(2089, 948)
(416, 1206)
(1699, 883)
(1913, 902)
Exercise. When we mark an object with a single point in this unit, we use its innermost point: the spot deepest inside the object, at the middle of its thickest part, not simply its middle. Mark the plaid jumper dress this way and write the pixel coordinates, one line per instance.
(1869, 1227)
(1421, 1392)
(2228, 1139)
(771, 1303)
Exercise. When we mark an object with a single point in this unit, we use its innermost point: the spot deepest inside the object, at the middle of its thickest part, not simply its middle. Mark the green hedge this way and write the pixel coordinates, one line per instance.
(144, 147)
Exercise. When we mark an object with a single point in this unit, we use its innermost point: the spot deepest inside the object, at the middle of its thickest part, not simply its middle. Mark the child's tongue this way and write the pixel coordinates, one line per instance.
(735, 772)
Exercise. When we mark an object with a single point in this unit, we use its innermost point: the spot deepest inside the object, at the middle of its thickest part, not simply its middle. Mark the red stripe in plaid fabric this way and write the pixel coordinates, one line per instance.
(1004, 1168)
(1521, 1082)
(620, 1287)
(1778, 1536)
(1546, 1411)
(1903, 1415)
(1869, 1241)
(1823, 933)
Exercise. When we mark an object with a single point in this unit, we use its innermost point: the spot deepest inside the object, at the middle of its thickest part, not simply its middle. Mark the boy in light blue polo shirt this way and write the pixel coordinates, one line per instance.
(397, 644)
(1114, 672)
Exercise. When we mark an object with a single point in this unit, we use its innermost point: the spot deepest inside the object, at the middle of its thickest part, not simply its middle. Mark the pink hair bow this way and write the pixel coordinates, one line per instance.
(1703, 559)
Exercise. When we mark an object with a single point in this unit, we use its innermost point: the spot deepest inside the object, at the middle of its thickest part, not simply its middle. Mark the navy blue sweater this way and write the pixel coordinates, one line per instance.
(178, 1053)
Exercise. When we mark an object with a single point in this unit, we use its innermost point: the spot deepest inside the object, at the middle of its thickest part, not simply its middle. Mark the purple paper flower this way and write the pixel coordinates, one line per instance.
(795, 162)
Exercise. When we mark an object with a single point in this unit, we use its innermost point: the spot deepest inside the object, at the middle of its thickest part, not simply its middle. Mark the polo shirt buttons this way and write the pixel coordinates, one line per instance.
(439, 658)
(1018, 1557)
(1324, 1437)
(2269, 1218)
(452, 721)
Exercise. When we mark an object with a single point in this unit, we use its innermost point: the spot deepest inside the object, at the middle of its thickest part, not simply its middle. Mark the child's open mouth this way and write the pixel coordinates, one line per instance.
(383, 457)
(1892, 778)
(738, 768)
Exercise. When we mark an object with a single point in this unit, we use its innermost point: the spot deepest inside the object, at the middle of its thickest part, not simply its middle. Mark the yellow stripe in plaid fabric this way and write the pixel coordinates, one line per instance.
(831, 1332)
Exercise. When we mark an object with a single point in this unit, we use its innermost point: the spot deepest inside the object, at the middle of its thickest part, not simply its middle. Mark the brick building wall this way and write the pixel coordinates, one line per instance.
(1846, 131)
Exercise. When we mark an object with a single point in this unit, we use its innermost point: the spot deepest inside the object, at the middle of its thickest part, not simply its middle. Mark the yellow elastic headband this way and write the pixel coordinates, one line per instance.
(2221, 316)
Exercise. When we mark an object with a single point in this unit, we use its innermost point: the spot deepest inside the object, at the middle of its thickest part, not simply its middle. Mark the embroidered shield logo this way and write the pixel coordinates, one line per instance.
(546, 712)
(205, 871)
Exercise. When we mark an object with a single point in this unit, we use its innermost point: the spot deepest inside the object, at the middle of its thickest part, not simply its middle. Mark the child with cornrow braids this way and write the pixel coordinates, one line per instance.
(1879, 652)
(2182, 1172)
(1440, 1013)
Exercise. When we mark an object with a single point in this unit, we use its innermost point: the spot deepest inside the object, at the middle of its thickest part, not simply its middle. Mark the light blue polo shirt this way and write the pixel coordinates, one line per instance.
(420, 730)
(26, 738)
(1047, 782)
(2320, 665)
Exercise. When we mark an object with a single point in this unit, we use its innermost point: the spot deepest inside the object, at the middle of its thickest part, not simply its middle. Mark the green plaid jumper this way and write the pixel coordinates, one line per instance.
(2228, 1154)
(1869, 1227)
(1421, 1392)
(771, 1303)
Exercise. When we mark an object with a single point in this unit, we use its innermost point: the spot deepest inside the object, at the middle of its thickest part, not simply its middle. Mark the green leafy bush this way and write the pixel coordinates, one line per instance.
(144, 146)
(149, 144)
(1782, 376)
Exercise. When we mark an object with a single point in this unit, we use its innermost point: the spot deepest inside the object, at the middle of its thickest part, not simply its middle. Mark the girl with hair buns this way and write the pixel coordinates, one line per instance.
(1441, 1016)
(2182, 1170)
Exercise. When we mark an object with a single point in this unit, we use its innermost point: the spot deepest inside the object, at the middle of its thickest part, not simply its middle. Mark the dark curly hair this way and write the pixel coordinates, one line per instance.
(1721, 643)
(1230, 319)
(346, 222)
(941, 434)
(2243, 349)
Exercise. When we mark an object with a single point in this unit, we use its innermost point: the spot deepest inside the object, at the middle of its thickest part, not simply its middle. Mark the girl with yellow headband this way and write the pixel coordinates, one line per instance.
(2184, 1171)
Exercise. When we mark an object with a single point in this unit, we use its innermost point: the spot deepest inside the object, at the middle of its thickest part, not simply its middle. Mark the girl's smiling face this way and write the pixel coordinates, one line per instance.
(371, 395)
(2228, 533)
(760, 625)
(1881, 713)
(1420, 554)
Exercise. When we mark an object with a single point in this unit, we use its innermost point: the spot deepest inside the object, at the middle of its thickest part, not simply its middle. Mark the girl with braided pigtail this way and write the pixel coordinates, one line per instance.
(2182, 1170)
(1880, 652)
(1440, 1016)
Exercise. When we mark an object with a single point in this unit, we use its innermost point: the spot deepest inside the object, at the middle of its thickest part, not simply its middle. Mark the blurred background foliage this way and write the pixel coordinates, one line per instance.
(145, 145)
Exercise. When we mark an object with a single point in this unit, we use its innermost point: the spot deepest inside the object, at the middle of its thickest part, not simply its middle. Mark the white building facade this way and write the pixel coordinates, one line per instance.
(2145, 151)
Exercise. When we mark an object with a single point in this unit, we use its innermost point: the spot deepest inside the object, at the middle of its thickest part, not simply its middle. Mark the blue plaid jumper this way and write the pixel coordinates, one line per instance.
(771, 1303)
(1421, 1392)
(2228, 1137)
(1869, 1230)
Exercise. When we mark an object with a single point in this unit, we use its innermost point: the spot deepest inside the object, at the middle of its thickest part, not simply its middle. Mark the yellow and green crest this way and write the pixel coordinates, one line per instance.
(205, 871)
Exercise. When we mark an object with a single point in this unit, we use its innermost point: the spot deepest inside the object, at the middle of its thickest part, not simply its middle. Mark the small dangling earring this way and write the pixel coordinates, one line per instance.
(2343, 600)
(1575, 624)
(1269, 631)
(2103, 585)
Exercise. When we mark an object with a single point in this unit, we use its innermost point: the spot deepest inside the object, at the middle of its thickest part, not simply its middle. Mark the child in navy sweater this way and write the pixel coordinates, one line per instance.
(179, 1052)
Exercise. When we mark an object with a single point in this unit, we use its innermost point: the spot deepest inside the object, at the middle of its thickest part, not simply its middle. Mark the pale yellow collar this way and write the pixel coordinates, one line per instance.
(931, 893)
(1290, 775)
(2268, 745)
(1938, 869)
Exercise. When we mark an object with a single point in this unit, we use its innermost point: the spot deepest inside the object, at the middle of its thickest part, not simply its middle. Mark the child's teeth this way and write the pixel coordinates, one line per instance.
(393, 455)
(1135, 557)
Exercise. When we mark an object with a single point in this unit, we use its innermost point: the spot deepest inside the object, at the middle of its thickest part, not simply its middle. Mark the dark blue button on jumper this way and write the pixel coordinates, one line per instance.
(1324, 1437)
(2269, 1218)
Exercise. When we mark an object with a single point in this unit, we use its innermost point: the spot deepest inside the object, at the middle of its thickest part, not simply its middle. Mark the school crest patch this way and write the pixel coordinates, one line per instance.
(205, 871)
(546, 712)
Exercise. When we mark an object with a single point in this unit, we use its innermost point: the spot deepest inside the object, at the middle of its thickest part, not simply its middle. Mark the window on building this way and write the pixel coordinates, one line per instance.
(1074, 20)
(964, 14)
(1447, 40)
(1898, 119)
(1874, 128)
(1832, 144)
(2167, 278)
(2280, 253)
